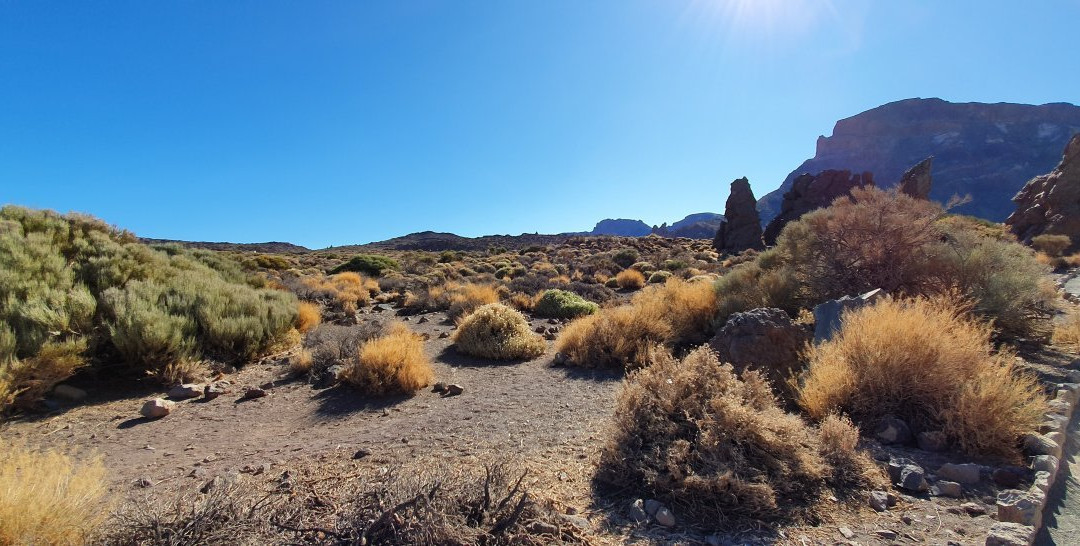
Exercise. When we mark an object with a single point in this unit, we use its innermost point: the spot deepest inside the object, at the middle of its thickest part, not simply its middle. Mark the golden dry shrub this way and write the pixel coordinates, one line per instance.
(462, 299)
(1067, 332)
(308, 316)
(497, 332)
(714, 446)
(394, 363)
(676, 313)
(927, 362)
(47, 497)
(347, 291)
(630, 279)
(1053, 245)
(302, 362)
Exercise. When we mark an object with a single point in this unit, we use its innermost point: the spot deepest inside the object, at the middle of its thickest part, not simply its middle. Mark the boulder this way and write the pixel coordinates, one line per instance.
(916, 181)
(907, 475)
(741, 228)
(1047, 463)
(1050, 204)
(829, 315)
(966, 473)
(636, 511)
(809, 192)
(879, 500)
(1010, 534)
(765, 339)
(945, 488)
(213, 390)
(157, 408)
(1021, 507)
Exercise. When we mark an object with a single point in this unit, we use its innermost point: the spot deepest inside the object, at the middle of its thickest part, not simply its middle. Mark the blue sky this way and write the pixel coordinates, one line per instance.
(325, 123)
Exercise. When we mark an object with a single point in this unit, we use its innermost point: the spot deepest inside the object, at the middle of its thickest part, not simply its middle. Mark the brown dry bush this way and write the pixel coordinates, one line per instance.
(1067, 332)
(422, 503)
(46, 497)
(1052, 244)
(924, 361)
(676, 313)
(346, 291)
(394, 363)
(630, 279)
(455, 298)
(715, 447)
(336, 345)
(308, 316)
(498, 332)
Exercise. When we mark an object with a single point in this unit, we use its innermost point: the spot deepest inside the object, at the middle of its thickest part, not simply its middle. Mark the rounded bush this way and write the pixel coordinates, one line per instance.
(498, 332)
(562, 304)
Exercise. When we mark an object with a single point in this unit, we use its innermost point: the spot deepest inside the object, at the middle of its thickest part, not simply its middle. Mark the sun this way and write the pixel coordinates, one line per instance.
(767, 18)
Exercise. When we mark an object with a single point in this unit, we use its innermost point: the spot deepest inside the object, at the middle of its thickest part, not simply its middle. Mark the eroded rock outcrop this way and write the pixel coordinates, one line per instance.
(764, 339)
(1051, 203)
(810, 192)
(916, 182)
(741, 229)
(986, 150)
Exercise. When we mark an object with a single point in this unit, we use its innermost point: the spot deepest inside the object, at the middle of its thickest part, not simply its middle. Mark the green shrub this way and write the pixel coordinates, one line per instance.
(73, 288)
(498, 332)
(674, 265)
(371, 265)
(625, 257)
(751, 285)
(659, 277)
(562, 304)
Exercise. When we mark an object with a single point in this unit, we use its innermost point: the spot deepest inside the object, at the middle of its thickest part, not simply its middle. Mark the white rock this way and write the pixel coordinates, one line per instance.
(156, 408)
(1019, 507)
(185, 391)
(665, 517)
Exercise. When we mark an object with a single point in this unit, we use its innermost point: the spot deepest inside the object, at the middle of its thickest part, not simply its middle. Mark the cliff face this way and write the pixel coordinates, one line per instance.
(986, 150)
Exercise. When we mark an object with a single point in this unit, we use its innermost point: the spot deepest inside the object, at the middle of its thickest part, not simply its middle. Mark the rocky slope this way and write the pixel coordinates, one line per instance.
(986, 150)
(1051, 203)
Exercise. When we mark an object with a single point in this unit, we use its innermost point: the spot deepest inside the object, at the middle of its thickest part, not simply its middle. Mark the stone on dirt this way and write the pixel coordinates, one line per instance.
(454, 389)
(1010, 534)
(945, 488)
(891, 430)
(253, 393)
(212, 391)
(966, 473)
(879, 500)
(665, 517)
(157, 408)
(185, 391)
(1022, 507)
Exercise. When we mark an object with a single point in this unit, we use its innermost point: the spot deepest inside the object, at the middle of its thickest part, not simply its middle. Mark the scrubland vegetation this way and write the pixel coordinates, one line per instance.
(48, 497)
(73, 290)
(498, 332)
(393, 363)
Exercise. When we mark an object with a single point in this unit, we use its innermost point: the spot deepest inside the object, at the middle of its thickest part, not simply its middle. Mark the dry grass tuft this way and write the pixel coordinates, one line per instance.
(346, 291)
(185, 370)
(676, 313)
(456, 298)
(498, 332)
(46, 497)
(1067, 332)
(308, 316)
(630, 279)
(302, 362)
(394, 363)
(924, 361)
(716, 447)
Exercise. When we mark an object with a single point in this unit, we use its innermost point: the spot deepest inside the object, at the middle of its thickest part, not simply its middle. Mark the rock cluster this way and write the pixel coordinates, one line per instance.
(765, 339)
(741, 228)
(1051, 203)
(809, 192)
(916, 181)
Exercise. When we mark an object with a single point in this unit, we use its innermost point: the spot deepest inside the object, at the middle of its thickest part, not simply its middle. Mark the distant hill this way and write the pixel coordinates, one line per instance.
(272, 247)
(435, 242)
(621, 226)
(987, 150)
(702, 225)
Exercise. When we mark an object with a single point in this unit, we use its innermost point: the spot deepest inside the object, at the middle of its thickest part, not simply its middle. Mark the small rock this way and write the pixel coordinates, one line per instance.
(1010, 534)
(1048, 463)
(1038, 444)
(453, 389)
(908, 475)
(423, 320)
(1042, 481)
(439, 387)
(69, 393)
(891, 430)
(559, 359)
(144, 483)
(967, 473)
(932, 441)
(444, 335)
(847, 533)
(212, 391)
(540, 329)
(253, 393)
(886, 534)
(157, 408)
(361, 453)
(665, 517)
(577, 521)
(1008, 476)
(543, 528)
(550, 336)
(637, 511)
(652, 506)
(945, 488)
(908, 520)
(879, 500)
(185, 391)
(973, 509)
(1019, 507)
(553, 321)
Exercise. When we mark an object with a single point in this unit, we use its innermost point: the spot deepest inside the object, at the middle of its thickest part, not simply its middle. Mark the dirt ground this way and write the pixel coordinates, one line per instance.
(550, 418)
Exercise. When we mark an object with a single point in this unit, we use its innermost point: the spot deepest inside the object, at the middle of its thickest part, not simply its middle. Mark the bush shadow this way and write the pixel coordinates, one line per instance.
(341, 400)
